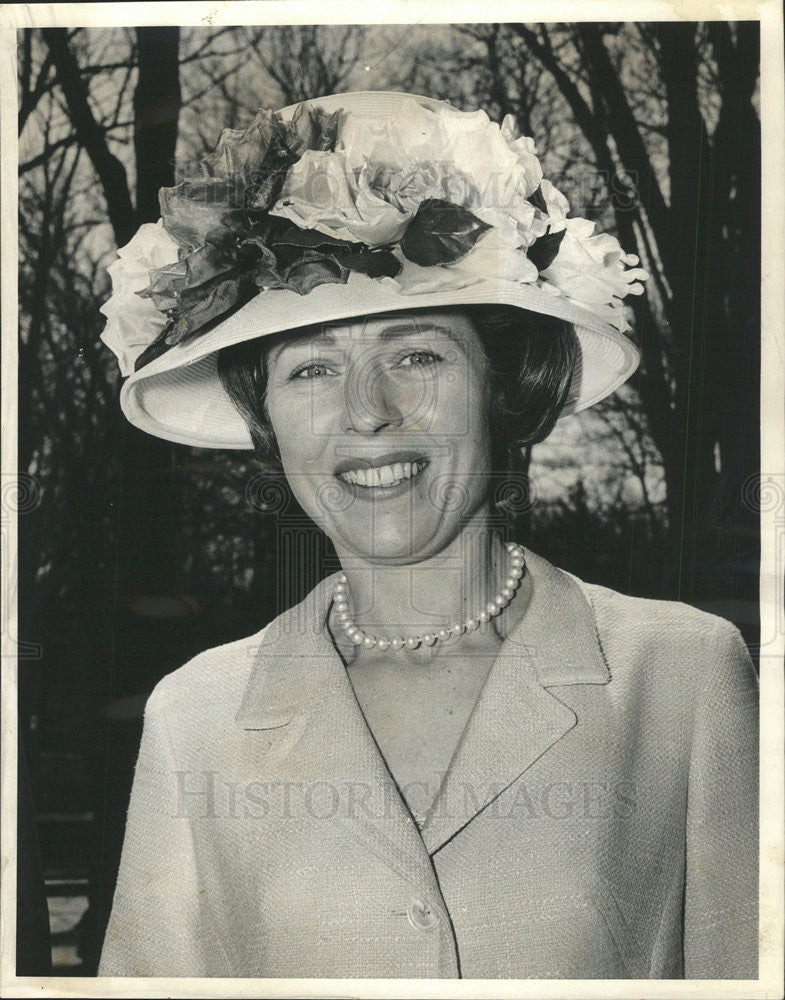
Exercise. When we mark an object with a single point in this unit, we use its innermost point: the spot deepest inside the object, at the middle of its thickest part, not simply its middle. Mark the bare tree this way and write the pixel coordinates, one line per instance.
(308, 61)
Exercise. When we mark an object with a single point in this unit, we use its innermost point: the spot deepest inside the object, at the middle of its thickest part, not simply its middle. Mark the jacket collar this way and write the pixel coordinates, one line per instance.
(557, 635)
(559, 630)
(299, 687)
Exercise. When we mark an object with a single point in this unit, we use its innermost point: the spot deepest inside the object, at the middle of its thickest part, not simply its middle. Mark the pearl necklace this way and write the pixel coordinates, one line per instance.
(382, 642)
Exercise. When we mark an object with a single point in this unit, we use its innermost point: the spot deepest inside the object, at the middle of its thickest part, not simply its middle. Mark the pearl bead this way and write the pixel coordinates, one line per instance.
(369, 641)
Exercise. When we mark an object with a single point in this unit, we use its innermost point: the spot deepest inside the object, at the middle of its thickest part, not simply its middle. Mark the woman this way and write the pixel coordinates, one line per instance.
(452, 759)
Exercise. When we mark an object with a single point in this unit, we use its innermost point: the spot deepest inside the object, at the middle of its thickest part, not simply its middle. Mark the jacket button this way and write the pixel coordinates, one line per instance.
(422, 916)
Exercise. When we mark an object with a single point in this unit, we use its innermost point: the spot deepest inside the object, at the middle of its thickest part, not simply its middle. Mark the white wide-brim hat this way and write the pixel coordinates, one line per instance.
(178, 395)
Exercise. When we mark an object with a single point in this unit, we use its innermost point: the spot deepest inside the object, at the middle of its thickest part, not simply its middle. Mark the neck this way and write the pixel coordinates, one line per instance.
(454, 584)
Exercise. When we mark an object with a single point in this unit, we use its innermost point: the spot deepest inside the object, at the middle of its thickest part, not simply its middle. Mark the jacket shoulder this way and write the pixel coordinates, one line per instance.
(666, 636)
(210, 681)
(650, 615)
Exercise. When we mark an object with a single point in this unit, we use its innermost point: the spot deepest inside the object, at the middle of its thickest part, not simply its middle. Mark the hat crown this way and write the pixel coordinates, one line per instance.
(366, 103)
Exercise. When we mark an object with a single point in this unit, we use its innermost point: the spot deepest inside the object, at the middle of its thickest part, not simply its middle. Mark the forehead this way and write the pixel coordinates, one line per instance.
(450, 325)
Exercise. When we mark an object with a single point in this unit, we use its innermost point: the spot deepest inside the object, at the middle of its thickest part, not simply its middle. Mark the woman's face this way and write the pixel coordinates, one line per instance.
(383, 429)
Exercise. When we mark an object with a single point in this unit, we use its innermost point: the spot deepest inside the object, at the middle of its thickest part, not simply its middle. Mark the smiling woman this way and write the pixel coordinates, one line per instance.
(452, 759)
(458, 393)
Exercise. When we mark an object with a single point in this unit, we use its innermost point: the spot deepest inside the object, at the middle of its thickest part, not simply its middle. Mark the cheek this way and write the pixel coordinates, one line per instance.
(291, 426)
(465, 412)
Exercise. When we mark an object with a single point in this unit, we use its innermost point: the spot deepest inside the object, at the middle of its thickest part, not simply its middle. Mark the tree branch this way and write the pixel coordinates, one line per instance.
(92, 136)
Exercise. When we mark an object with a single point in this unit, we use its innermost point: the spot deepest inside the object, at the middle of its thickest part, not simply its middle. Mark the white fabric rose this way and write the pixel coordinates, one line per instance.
(133, 322)
(592, 269)
(321, 192)
(382, 170)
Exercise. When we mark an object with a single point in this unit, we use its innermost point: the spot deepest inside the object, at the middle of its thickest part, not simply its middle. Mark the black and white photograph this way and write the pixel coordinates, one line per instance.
(393, 500)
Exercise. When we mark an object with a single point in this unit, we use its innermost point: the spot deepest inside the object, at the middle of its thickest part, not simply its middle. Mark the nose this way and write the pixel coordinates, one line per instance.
(371, 401)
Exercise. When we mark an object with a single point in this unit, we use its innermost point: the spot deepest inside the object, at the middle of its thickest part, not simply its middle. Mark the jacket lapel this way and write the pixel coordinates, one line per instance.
(517, 718)
(300, 697)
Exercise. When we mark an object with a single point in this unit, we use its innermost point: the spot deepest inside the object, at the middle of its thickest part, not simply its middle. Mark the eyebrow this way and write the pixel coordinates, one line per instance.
(404, 329)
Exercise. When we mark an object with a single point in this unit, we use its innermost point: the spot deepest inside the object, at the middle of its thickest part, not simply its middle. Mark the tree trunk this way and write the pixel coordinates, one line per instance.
(92, 136)
(150, 550)
(157, 108)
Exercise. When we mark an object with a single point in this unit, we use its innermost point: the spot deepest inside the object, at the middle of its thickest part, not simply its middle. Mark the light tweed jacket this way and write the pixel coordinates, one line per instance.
(599, 819)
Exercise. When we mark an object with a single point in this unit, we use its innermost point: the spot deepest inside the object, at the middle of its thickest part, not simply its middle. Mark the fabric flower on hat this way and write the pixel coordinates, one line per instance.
(323, 193)
(430, 198)
(594, 272)
(462, 158)
(491, 256)
(134, 322)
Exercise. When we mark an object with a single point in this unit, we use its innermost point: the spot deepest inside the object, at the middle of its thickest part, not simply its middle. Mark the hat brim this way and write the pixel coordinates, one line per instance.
(179, 397)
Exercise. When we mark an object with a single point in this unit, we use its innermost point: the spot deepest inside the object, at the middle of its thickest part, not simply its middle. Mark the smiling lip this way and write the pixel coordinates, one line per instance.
(383, 472)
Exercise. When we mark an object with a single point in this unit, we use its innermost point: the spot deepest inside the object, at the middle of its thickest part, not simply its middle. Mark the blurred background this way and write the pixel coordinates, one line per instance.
(136, 554)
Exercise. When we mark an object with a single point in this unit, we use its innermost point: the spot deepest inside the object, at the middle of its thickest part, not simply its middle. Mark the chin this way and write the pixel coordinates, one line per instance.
(387, 545)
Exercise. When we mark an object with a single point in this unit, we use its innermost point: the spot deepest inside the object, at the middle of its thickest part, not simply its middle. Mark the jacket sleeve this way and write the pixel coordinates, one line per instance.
(156, 927)
(721, 894)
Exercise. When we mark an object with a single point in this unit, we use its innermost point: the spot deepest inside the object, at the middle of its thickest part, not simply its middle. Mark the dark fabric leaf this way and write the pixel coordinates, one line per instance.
(328, 125)
(202, 305)
(188, 219)
(238, 150)
(303, 275)
(542, 252)
(222, 238)
(263, 190)
(312, 128)
(165, 286)
(264, 184)
(310, 239)
(154, 349)
(241, 221)
(376, 263)
(266, 278)
(205, 264)
(441, 233)
(315, 269)
(537, 198)
(260, 245)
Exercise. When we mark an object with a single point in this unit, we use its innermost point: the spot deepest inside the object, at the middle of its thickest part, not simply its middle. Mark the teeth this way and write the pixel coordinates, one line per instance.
(386, 475)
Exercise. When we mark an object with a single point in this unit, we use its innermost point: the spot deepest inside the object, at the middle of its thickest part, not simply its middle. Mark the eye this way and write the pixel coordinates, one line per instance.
(312, 370)
(419, 359)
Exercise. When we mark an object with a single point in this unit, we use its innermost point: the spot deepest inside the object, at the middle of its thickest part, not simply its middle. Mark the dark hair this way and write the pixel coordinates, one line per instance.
(531, 360)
